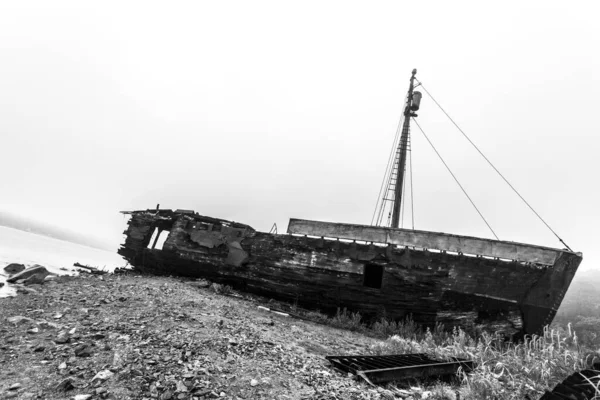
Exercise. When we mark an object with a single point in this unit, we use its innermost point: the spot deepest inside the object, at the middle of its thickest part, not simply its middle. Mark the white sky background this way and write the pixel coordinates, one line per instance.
(262, 111)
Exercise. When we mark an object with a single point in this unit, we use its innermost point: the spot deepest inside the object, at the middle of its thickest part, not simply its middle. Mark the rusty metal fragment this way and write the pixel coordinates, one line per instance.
(380, 369)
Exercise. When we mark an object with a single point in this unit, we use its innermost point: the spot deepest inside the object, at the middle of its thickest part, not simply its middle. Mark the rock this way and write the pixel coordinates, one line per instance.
(62, 366)
(84, 350)
(1, 284)
(47, 325)
(82, 397)
(26, 290)
(50, 278)
(181, 387)
(101, 390)
(39, 348)
(10, 395)
(14, 268)
(35, 279)
(35, 270)
(33, 330)
(62, 338)
(253, 382)
(167, 395)
(14, 386)
(102, 376)
(98, 336)
(65, 384)
(19, 319)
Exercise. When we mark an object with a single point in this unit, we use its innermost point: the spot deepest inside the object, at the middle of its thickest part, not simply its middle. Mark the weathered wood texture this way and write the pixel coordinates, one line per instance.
(428, 240)
(457, 290)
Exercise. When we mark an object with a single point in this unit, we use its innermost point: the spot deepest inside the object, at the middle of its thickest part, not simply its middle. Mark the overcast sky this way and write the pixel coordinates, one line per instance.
(261, 111)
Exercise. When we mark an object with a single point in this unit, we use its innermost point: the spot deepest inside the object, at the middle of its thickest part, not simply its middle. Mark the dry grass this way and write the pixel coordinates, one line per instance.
(505, 370)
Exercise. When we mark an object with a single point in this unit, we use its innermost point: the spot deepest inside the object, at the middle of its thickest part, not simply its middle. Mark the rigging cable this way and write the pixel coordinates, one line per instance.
(385, 193)
(382, 193)
(495, 169)
(451, 173)
(402, 205)
(389, 171)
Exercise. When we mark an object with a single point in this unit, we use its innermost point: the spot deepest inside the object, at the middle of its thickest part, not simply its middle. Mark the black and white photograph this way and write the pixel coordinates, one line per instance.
(288, 200)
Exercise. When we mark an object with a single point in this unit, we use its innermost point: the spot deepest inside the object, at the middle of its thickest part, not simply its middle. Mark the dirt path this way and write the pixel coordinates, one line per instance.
(136, 337)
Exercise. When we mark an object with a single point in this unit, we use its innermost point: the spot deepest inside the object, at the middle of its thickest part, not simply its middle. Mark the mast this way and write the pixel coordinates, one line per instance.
(412, 104)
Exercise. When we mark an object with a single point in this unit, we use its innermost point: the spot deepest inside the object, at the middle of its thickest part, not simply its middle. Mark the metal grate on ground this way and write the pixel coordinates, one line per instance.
(379, 369)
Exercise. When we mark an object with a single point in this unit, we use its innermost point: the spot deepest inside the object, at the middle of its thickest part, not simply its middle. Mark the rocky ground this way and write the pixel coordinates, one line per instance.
(142, 337)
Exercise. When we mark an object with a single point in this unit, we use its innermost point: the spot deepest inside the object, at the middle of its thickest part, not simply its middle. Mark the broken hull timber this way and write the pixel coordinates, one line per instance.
(376, 276)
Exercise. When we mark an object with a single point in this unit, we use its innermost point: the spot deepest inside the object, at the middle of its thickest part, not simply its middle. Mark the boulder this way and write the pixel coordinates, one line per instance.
(35, 279)
(14, 268)
(23, 275)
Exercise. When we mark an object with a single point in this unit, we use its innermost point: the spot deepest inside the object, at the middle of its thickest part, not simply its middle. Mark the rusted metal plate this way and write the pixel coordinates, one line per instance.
(379, 369)
(429, 240)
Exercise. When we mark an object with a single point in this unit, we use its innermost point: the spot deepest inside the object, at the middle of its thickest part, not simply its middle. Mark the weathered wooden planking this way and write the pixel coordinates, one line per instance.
(325, 275)
(424, 239)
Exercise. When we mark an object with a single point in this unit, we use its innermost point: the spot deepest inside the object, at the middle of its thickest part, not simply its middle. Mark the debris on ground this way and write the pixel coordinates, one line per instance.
(90, 270)
(128, 336)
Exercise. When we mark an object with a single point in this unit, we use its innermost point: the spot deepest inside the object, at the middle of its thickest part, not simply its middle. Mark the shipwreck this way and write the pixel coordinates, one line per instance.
(377, 270)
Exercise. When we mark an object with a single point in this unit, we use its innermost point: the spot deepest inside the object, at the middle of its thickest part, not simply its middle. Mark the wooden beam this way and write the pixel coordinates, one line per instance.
(425, 239)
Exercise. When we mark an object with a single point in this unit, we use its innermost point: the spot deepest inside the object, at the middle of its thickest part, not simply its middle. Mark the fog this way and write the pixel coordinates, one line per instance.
(261, 111)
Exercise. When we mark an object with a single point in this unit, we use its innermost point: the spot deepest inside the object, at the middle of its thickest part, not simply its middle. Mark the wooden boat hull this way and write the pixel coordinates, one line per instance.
(473, 292)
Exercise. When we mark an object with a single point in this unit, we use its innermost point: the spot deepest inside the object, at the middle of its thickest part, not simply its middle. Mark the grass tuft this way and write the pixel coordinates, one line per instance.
(345, 319)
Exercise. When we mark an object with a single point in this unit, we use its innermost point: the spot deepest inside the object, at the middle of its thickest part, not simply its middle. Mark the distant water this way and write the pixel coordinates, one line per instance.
(28, 248)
